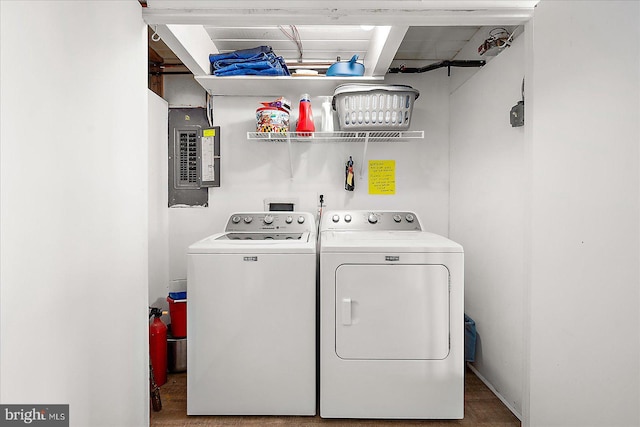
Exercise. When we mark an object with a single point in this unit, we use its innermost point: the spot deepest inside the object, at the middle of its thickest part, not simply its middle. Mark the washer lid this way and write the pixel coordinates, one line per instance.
(237, 243)
(384, 241)
(262, 236)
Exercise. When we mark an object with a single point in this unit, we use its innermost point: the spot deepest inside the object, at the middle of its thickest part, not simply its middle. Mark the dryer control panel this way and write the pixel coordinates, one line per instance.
(370, 221)
(289, 222)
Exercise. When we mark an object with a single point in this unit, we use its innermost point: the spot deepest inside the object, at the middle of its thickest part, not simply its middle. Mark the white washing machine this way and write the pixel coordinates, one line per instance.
(251, 346)
(391, 318)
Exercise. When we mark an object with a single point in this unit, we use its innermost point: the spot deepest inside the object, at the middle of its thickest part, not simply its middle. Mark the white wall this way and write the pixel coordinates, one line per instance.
(73, 322)
(252, 171)
(158, 196)
(585, 350)
(487, 215)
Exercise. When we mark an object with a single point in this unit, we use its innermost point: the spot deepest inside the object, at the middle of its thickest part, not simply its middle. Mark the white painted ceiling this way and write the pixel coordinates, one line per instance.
(325, 43)
(434, 43)
(425, 31)
(319, 42)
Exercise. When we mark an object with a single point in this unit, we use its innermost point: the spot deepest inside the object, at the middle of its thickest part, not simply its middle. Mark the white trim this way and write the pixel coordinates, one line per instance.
(382, 48)
(191, 44)
(288, 12)
(528, 223)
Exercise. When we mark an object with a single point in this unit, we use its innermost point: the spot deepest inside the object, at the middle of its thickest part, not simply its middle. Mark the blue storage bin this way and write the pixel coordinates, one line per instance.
(469, 339)
(178, 295)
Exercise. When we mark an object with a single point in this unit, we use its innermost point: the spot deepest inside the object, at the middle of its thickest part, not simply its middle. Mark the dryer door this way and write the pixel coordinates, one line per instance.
(392, 312)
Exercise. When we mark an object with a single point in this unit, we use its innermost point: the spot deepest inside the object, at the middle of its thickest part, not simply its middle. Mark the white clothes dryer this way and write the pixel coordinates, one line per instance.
(251, 320)
(391, 318)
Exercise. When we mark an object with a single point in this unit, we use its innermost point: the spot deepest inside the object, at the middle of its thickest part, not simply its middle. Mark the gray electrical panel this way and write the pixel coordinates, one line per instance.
(194, 157)
(186, 158)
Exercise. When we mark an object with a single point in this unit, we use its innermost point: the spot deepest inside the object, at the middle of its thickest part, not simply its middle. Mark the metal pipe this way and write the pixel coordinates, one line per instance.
(441, 64)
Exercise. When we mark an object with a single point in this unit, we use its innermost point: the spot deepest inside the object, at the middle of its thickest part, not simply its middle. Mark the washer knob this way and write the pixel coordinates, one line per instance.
(236, 219)
(373, 218)
(289, 219)
(336, 218)
(300, 219)
(409, 218)
(268, 219)
(347, 218)
(397, 218)
(247, 219)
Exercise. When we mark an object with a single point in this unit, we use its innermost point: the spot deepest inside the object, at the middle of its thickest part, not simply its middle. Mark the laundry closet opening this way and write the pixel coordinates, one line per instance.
(454, 171)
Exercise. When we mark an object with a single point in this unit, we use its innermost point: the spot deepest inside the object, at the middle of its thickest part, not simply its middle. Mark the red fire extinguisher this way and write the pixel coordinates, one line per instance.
(158, 346)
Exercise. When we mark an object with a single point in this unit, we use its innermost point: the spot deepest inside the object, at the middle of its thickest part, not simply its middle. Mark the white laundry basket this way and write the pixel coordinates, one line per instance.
(374, 107)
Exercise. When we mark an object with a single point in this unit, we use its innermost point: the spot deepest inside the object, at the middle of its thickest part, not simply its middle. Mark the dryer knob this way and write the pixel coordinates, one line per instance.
(236, 219)
(347, 218)
(300, 219)
(247, 219)
(397, 218)
(373, 218)
(268, 219)
(335, 218)
(289, 220)
(409, 218)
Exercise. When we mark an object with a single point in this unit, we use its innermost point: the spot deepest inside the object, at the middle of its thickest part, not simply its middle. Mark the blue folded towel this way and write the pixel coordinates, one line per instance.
(240, 54)
(252, 72)
(261, 57)
(266, 67)
(256, 61)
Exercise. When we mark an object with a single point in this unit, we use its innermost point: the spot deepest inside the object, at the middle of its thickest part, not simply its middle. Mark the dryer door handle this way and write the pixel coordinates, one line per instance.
(346, 311)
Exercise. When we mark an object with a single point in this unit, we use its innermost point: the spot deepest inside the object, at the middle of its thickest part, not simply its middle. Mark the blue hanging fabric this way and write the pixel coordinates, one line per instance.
(260, 60)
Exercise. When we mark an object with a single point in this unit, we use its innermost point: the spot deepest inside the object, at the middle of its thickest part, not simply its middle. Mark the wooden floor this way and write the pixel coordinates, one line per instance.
(481, 408)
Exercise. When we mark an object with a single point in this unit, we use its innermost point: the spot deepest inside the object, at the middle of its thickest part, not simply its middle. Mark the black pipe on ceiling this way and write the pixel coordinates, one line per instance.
(441, 64)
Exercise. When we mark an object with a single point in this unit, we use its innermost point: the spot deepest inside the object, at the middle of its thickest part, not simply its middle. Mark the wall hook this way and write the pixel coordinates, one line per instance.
(155, 37)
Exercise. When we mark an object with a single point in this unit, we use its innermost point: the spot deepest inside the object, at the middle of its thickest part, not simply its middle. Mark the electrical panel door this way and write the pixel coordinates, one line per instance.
(194, 157)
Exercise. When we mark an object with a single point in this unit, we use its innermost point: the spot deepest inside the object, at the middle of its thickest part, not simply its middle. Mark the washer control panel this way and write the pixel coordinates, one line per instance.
(290, 222)
(370, 220)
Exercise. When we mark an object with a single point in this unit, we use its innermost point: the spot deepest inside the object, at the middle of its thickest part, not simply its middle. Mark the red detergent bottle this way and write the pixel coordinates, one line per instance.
(305, 116)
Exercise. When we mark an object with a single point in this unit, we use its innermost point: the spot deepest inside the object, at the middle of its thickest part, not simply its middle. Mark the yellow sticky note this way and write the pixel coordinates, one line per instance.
(382, 177)
(208, 132)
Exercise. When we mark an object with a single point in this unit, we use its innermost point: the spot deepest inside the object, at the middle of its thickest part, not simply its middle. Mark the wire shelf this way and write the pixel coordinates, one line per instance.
(341, 136)
(363, 137)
